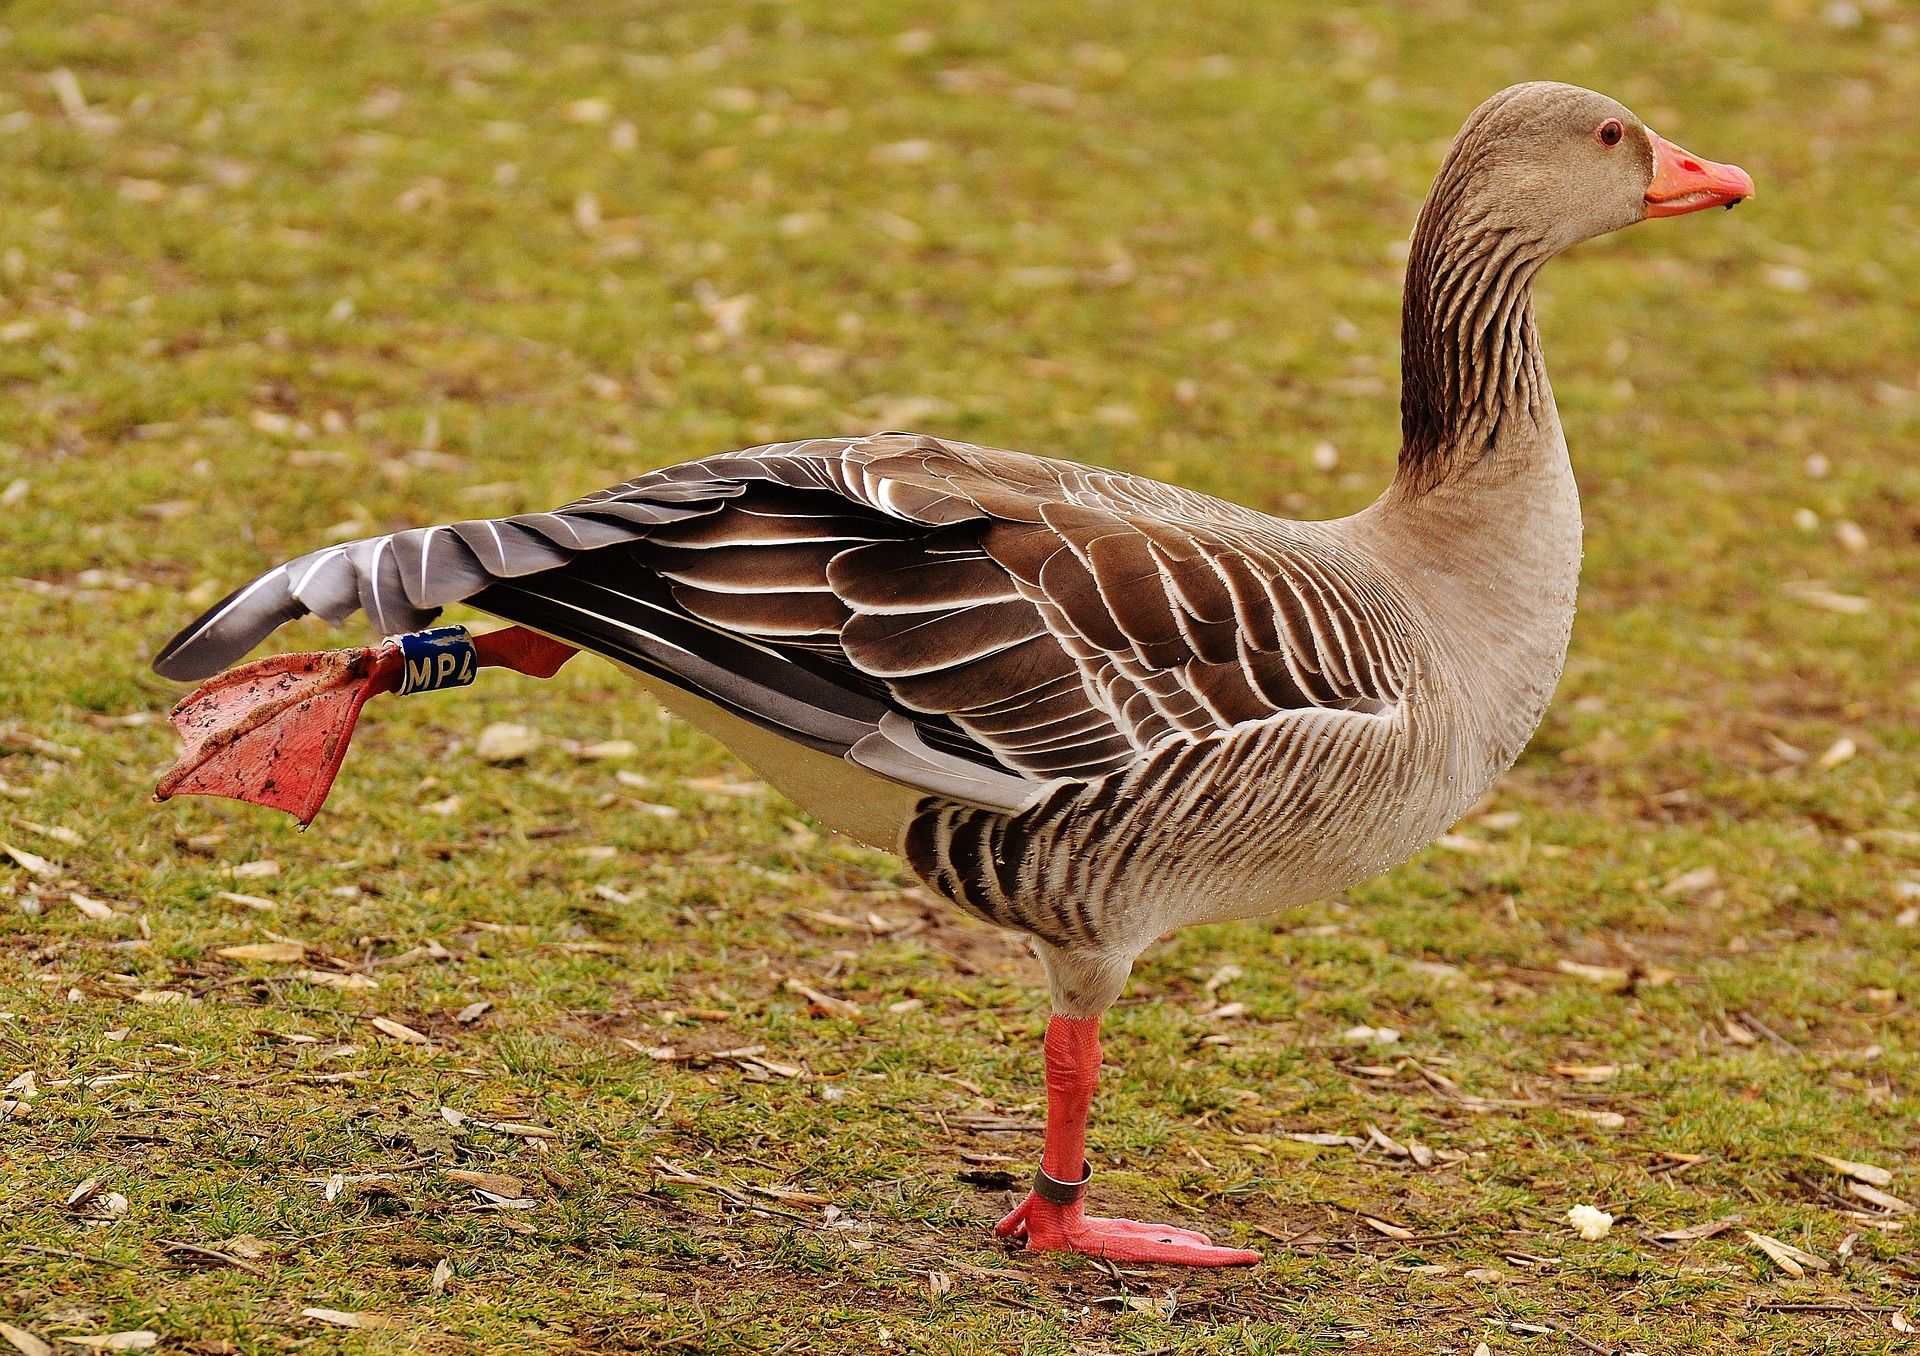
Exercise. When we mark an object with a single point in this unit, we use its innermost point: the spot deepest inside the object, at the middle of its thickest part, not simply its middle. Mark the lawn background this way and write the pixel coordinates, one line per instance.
(277, 275)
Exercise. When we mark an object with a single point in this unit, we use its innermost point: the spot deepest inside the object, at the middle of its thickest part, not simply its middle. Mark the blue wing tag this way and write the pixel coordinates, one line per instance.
(442, 657)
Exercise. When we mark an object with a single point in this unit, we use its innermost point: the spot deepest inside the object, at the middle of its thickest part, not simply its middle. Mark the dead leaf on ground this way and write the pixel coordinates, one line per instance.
(666, 1170)
(593, 948)
(772, 1067)
(1814, 593)
(505, 742)
(1382, 1140)
(1837, 753)
(1226, 974)
(1693, 1233)
(95, 909)
(1794, 1261)
(1681, 1160)
(1860, 1172)
(726, 786)
(827, 1003)
(341, 1318)
(606, 748)
(1326, 1140)
(459, 1119)
(1879, 1199)
(1688, 884)
(249, 1246)
(1381, 1226)
(400, 1031)
(1600, 976)
(274, 953)
(32, 864)
(24, 1342)
(140, 1339)
(493, 1200)
(330, 979)
(29, 743)
(56, 832)
(1587, 1073)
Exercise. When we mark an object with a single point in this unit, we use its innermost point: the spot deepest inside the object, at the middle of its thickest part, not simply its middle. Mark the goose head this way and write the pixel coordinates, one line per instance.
(1556, 164)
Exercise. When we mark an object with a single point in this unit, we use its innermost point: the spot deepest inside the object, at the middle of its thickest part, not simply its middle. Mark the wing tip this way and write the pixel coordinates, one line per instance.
(230, 628)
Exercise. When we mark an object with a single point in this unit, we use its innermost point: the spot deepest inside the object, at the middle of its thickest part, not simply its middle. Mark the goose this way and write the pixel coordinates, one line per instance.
(1084, 705)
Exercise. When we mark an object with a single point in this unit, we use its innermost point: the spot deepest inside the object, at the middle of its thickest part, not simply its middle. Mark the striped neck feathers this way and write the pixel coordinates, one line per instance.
(1472, 376)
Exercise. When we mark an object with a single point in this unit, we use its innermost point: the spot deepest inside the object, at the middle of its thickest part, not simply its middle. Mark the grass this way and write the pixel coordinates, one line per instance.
(271, 276)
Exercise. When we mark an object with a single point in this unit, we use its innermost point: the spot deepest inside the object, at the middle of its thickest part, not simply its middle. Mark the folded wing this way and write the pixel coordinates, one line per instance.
(969, 622)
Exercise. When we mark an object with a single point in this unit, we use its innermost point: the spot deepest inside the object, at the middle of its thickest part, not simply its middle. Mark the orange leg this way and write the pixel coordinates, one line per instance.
(1052, 1217)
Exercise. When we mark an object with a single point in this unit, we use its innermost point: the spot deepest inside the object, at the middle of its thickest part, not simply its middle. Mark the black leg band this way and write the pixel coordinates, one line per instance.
(1059, 1192)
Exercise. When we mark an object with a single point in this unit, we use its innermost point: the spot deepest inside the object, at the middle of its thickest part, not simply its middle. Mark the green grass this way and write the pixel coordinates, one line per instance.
(308, 265)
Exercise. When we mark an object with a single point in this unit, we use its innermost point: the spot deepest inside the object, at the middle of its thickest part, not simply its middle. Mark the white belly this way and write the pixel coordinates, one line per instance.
(846, 798)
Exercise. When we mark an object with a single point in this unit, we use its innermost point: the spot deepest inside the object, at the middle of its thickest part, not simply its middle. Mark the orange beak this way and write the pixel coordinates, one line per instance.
(1683, 182)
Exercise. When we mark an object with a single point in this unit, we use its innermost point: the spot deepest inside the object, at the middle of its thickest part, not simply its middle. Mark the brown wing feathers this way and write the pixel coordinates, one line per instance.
(1031, 616)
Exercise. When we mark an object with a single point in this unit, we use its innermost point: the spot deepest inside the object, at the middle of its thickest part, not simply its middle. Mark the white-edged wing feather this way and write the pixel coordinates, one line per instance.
(972, 623)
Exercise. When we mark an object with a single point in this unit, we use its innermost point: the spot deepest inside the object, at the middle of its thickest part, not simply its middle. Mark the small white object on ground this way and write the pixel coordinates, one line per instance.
(502, 742)
(1589, 1223)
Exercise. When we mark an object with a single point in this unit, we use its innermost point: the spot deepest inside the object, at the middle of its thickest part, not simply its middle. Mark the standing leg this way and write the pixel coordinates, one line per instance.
(1052, 1217)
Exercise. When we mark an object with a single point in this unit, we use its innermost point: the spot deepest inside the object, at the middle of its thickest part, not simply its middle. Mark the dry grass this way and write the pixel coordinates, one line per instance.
(269, 277)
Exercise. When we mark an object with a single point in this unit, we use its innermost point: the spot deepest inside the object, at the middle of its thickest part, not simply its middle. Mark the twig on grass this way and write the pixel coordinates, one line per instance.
(1585, 1343)
(198, 1254)
(1356, 1244)
(79, 1256)
(1778, 1041)
(1588, 1344)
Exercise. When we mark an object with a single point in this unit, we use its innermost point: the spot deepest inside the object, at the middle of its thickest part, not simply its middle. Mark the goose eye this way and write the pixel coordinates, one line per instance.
(1610, 132)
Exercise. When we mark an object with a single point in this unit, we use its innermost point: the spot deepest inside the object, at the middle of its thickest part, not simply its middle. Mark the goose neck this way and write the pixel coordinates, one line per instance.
(1473, 382)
